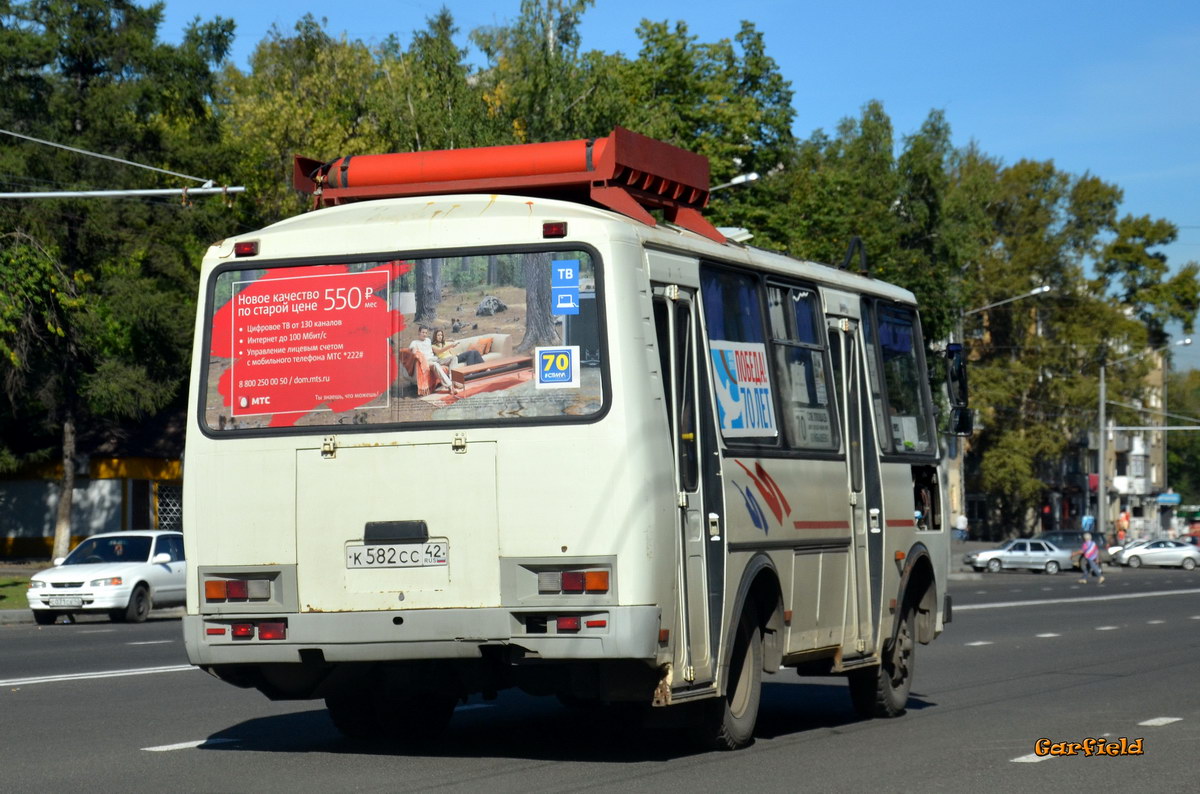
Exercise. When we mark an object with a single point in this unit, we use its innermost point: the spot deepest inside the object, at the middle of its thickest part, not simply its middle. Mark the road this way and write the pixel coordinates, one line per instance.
(1026, 657)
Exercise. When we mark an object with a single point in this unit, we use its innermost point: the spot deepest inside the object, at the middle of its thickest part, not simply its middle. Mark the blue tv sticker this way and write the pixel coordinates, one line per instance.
(564, 286)
(556, 367)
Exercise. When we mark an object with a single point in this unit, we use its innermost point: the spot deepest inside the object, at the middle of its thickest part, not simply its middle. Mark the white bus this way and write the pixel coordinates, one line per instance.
(483, 421)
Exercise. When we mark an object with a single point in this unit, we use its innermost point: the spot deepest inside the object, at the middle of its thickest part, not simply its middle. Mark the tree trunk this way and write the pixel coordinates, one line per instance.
(428, 278)
(539, 324)
(62, 522)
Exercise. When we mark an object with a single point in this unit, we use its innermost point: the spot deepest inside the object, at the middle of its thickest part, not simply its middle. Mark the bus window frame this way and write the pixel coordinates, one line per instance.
(821, 347)
(740, 446)
(869, 308)
(560, 245)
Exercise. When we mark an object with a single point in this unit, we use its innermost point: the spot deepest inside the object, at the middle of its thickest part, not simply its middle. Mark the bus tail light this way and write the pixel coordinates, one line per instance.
(273, 630)
(242, 630)
(235, 589)
(573, 582)
(595, 581)
(570, 623)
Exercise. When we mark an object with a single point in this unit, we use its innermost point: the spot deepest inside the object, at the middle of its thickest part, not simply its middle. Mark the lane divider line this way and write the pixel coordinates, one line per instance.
(50, 679)
(1160, 721)
(164, 748)
(1045, 601)
(1032, 758)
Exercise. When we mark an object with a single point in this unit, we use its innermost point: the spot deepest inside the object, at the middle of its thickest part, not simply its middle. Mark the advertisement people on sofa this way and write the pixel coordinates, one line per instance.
(445, 351)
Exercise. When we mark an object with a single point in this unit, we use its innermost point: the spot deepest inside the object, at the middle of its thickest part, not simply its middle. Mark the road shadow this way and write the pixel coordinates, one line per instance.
(523, 727)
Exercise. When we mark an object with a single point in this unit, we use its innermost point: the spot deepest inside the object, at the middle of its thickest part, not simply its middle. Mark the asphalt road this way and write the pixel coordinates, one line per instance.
(98, 706)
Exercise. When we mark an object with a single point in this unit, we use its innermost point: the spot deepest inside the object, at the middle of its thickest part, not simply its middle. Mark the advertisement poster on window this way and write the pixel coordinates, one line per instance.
(745, 405)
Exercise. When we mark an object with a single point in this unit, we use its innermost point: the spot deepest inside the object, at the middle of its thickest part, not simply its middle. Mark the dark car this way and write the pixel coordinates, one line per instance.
(1073, 540)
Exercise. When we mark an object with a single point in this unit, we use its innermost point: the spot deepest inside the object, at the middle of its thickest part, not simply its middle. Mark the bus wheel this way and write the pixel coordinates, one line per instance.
(421, 719)
(354, 715)
(883, 691)
(735, 714)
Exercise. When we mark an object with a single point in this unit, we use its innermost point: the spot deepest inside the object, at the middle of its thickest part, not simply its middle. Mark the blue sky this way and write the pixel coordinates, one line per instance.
(1106, 87)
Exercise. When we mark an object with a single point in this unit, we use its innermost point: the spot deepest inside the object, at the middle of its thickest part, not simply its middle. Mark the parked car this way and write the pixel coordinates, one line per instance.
(1073, 540)
(1032, 553)
(122, 574)
(1161, 552)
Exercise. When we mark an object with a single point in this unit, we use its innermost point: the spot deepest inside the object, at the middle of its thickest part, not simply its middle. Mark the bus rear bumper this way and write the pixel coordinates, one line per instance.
(396, 635)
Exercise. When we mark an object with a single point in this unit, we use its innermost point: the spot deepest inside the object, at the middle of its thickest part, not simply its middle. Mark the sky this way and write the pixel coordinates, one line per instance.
(1106, 87)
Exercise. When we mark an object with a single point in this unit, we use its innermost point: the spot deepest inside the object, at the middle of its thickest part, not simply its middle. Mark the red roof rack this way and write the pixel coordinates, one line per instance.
(625, 172)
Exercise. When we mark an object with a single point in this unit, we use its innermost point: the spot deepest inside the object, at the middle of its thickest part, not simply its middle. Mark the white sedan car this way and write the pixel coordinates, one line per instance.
(1033, 554)
(121, 574)
(1161, 552)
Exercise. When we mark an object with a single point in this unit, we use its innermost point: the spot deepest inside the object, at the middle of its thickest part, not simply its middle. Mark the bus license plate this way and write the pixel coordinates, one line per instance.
(398, 555)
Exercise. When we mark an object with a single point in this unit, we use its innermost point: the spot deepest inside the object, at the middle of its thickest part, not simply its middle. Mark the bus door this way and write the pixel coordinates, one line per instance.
(700, 541)
(865, 489)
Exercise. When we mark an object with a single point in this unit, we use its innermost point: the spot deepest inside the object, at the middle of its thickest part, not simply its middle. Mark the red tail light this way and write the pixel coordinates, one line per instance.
(568, 624)
(276, 630)
(242, 630)
(573, 581)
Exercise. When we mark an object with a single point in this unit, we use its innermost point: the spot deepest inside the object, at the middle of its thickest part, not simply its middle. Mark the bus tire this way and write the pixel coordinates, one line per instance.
(735, 713)
(883, 691)
(353, 715)
(422, 719)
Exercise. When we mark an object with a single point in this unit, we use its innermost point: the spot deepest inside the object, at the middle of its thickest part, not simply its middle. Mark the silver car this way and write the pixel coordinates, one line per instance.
(1161, 552)
(1033, 554)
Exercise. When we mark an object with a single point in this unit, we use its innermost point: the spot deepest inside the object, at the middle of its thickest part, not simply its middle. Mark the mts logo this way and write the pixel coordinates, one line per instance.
(260, 400)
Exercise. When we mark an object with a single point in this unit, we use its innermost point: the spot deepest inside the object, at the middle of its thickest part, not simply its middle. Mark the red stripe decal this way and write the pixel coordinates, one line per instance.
(900, 522)
(821, 524)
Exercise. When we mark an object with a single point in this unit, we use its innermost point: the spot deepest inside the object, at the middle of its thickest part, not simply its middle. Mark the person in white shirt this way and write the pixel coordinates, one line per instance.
(424, 345)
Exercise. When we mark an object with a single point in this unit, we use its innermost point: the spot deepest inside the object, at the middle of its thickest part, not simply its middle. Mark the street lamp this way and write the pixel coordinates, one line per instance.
(740, 179)
(1035, 291)
(1102, 463)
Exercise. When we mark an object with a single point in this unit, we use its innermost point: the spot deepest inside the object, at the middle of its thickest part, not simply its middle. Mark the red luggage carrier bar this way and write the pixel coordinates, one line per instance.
(625, 172)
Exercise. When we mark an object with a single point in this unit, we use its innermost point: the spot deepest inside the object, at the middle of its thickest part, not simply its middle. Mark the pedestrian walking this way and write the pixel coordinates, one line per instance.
(1089, 560)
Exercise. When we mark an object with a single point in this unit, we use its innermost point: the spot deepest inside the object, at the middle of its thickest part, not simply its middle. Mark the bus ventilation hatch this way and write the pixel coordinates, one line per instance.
(625, 172)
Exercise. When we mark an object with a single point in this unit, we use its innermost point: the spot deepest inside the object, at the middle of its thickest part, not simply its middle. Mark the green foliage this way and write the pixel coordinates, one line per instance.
(1183, 446)
(98, 293)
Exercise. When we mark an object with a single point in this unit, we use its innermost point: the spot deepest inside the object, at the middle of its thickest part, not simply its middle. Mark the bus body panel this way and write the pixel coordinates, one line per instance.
(513, 501)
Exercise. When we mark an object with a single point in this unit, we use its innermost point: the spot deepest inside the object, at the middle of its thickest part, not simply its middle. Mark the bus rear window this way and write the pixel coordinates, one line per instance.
(464, 339)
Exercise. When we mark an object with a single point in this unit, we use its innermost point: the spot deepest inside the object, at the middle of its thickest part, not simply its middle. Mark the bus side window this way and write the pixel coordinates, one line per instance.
(801, 367)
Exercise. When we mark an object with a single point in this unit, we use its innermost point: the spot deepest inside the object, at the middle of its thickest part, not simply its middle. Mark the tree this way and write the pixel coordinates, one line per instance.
(1183, 446)
(539, 323)
(106, 338)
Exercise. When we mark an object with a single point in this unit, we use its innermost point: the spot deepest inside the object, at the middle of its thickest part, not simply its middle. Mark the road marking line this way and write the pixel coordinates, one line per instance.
(979, 642)
(1155, 622)
(470, 706)
(188, 745)
(49, 679)
(1107, 628)
(1049, 634)
(1032, 758)
(1046, 601)
(150, 642)
(1160, 721)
